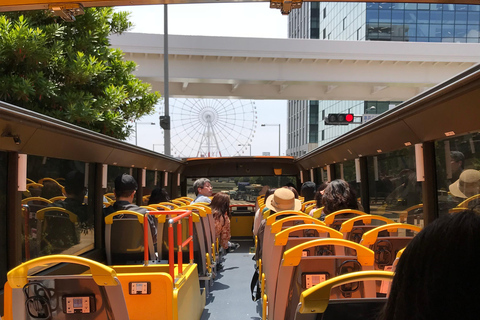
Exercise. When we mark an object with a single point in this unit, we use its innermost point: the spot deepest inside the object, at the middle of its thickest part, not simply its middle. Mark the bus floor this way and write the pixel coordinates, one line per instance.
(230, 296)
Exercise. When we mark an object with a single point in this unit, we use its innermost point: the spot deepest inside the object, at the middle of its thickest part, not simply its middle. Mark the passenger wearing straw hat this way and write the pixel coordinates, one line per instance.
(467, 185)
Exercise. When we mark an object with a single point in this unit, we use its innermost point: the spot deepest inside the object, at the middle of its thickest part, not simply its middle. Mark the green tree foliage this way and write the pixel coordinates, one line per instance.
(68, 71)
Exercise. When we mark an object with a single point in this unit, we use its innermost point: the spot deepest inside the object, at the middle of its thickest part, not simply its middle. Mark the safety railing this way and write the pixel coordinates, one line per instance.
(181, 214)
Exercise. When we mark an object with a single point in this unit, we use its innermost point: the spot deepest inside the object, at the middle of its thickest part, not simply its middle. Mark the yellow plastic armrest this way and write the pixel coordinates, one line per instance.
(103, 275)
(277, 225)
(109, 218)
(292, 256)
(371, 236)
(271, 218)
(316, 298)
(281, 238)
(329, 219)
(347, 226)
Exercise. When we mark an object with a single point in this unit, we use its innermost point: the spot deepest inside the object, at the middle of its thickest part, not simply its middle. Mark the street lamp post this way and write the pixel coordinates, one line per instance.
(278, 124)
(136, 132)
(243, 145)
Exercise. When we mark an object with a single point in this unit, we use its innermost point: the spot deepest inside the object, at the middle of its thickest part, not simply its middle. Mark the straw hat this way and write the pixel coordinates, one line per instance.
(283, 199)
(467, 185)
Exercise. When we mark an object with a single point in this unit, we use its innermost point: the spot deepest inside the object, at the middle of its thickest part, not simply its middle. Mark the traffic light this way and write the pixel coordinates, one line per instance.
(339, 118)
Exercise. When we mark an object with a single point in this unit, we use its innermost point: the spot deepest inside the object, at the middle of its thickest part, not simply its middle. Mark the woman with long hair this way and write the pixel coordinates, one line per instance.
(220, 206)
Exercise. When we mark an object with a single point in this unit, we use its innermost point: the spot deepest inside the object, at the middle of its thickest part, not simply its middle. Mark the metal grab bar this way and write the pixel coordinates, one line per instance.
(181, 214)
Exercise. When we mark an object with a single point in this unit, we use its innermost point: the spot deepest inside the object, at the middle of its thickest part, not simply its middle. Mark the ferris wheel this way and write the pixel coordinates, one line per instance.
(211, 127)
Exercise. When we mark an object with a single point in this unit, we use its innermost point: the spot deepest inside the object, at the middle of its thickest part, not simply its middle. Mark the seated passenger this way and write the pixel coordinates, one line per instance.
(307, 191)
(75, 192)
(125, 189)
(337, 196)
(220, 206)
(158, 195)
(203, 190)
(467, 185)
(259, 215)
(436, 276)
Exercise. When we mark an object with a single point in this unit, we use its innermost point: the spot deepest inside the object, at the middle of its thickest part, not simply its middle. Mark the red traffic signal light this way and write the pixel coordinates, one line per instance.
(339, 118)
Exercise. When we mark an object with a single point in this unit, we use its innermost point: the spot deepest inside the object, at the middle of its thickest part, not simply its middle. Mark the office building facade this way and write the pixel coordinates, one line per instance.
(369, 21)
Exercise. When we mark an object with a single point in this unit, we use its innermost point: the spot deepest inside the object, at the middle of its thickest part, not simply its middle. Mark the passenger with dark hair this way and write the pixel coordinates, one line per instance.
(220, 206)
(436, 276)
(203, 190)
(158, 195)
(295, 192)
(125, 190)
(337, 196)
(457, 164)
(75, 192)
(318, 197)
(307, 191)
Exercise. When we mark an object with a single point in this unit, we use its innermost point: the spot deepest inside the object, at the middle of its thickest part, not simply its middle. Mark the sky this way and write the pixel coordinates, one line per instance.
(240, 19)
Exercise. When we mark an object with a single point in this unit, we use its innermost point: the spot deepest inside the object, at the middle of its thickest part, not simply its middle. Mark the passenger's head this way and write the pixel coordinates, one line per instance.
(308, 190)
(437, 275)
(467, 185)
(158, 195)
(220, 204)
(295, 192)
(202, 186)
(75, 185)
(50, 189)
(457, 160)
(283, 199)
(125, 186)
(337, 196)
(319, 194)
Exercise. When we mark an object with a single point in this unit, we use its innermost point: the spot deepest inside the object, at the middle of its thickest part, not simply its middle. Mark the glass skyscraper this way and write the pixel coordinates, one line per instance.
(422, 22)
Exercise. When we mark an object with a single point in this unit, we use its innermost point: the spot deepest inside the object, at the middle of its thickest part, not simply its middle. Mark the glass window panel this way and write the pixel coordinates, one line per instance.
(423, 16)
(410, 6)
(435, 30)
(385, 16)
(422, 39)
(64, 222)
(423, 6)
(473, 31)
(448, 7)
(460, 17)
(460, 40)
(473, 17)
(435, 16)
(372, 5)
(436, 6)
(448, 17)
(3, 216)
(447, 31)
(461, 7)
(473, 40)
(434, 39)
(454, 156)
(394, 187)
(473, 7)
(398, 16)
(398, 6)
(385, 6)
(372, 16)
(410, 16)
(412, 30)
(460, 31)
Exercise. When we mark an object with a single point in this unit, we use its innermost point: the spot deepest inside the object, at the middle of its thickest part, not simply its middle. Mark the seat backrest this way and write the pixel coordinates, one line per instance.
(314, 301)
(286, 239)
(354, 228)
(56, 230)
(97, 295)
(124, 238)
(335, 219)
(299, 271)
(386, 247)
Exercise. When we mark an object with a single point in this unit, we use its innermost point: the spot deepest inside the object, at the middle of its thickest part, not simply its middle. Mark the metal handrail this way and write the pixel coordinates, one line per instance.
(181, 214)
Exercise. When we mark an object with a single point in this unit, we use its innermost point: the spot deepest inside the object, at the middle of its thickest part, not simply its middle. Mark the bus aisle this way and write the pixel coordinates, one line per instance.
(230, 296)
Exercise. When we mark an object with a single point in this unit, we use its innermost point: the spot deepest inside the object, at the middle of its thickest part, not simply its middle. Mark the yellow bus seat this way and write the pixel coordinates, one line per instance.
(335, 219)
(307, 204)
(51, 296)
(302, 267)
(57, 230)
(354, 228)
(387, 247)
(317, 302)
(289, 238)
(124, 240)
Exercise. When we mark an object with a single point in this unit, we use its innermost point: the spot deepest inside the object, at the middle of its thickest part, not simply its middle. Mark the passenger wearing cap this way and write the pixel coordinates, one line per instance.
(282, 199)
(125, 189)
(467, 185)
